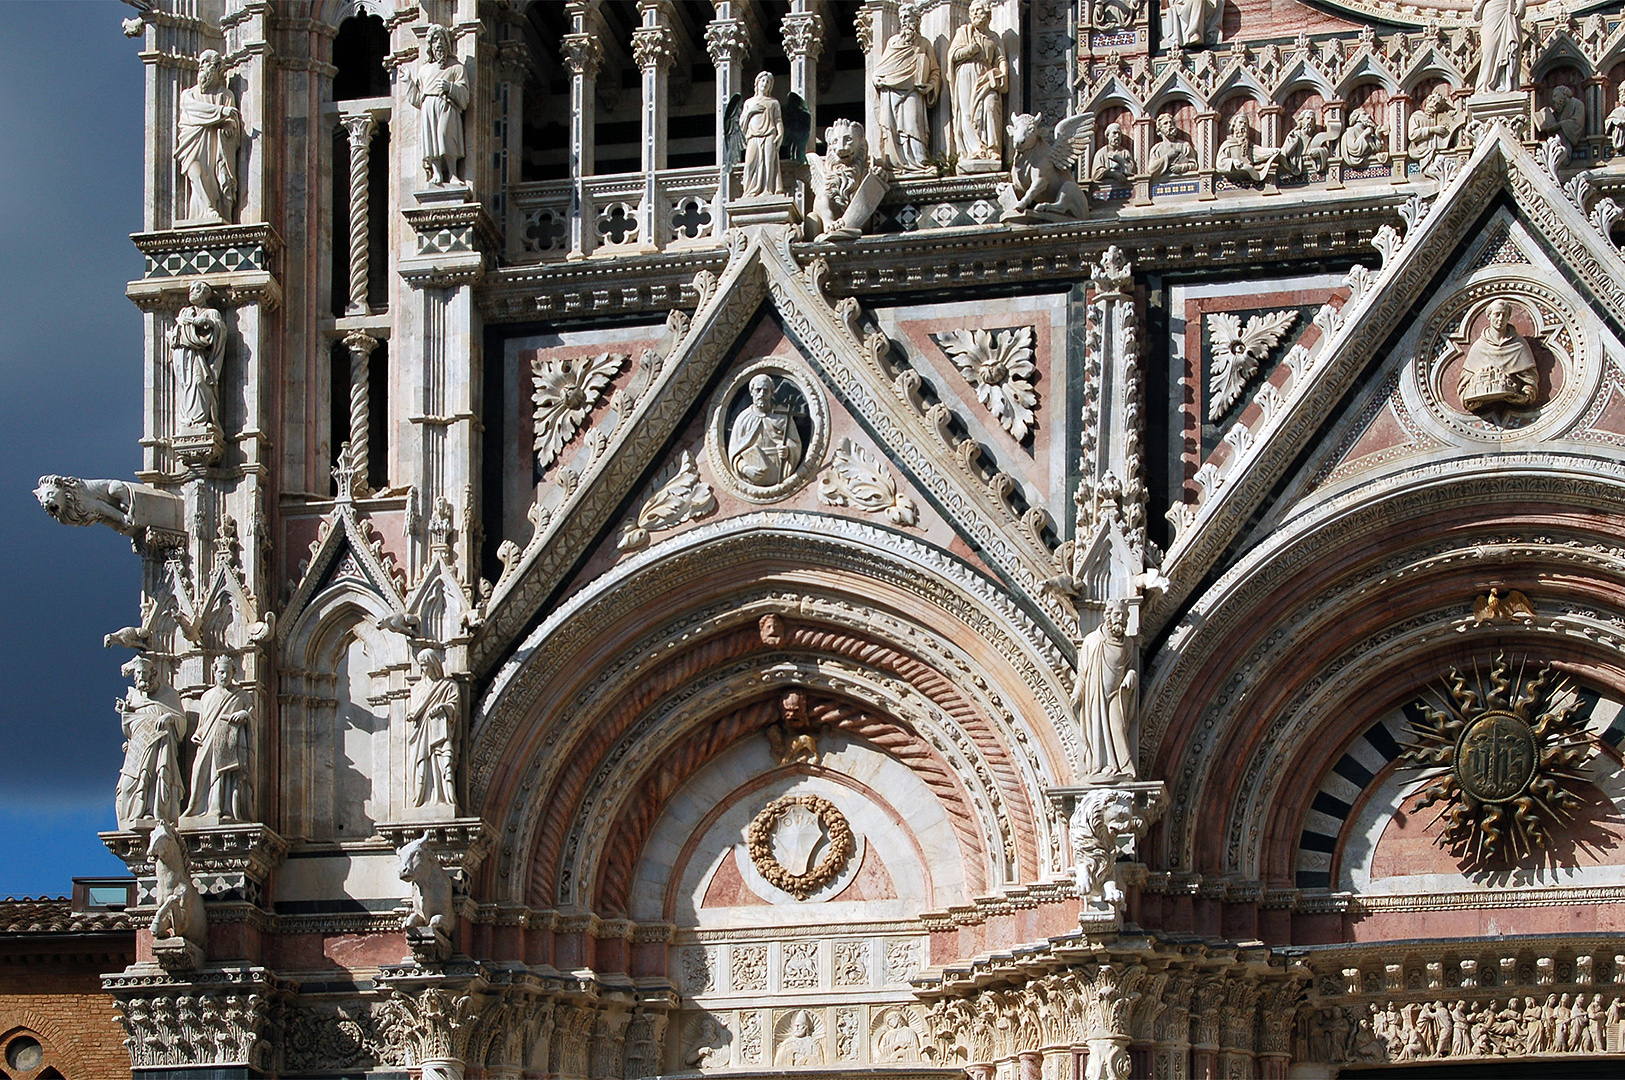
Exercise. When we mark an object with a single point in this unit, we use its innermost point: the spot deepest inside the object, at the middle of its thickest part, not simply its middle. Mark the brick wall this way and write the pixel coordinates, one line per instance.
(70, 1015)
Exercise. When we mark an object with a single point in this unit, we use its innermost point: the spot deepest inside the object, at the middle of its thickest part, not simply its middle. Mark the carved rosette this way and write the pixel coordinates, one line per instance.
(795, 828)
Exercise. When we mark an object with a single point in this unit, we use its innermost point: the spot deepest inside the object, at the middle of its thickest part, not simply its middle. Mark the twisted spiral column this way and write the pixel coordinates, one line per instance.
(361, 346)
(360, 128)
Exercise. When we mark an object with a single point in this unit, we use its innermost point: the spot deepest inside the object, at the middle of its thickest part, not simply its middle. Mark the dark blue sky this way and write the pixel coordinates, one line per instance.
(71, 114)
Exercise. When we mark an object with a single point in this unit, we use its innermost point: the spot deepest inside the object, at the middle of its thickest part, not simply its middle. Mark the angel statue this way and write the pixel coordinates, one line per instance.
(760, 132)
(1041, 186)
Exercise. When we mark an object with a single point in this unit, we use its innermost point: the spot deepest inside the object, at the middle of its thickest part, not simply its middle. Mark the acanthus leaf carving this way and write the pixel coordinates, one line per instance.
(1237, 351)
(682, 497)
(999, 364)
(855, 478)
(567, 390)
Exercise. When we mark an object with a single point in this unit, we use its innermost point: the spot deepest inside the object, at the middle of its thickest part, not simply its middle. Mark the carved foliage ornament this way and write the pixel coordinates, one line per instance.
(566, 391)
(1503, 757)
(856, 479)
(1237, 350)
(999, 364)
(792, 829)
(682, 497)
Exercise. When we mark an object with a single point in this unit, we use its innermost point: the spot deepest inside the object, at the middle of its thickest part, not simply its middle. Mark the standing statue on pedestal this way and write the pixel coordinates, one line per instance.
(431, 720)
(206, 136)
(149, 784)
(1107, 697)
(219, 772)
(761, 124)
(197, 349)
(1500, 38)
(439, 88)
(1186, 22)
(908, 80)
(981, 75)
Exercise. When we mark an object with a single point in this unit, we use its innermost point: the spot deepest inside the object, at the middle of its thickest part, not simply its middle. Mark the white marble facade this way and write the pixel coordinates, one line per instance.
(716, 538)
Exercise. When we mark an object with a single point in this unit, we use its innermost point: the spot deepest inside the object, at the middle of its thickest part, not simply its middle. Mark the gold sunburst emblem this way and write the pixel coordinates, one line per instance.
(1504, 756)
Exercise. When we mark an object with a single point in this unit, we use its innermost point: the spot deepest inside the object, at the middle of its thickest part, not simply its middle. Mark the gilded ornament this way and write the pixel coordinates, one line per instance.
(1504, 758)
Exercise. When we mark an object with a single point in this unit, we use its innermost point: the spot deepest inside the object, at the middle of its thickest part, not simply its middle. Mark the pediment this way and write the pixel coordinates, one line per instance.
(1376, 388)
(659, 429)
(346, 552)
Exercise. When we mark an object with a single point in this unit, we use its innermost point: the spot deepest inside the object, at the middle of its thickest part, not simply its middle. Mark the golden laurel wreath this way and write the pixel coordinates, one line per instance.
(759, 842)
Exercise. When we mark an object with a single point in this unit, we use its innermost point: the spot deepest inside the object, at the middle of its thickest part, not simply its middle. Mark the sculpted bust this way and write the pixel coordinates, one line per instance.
(764, 446)
(1500, 366)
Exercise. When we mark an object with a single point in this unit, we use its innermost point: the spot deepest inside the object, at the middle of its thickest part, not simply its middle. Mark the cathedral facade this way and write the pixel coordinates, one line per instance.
(1019, 539)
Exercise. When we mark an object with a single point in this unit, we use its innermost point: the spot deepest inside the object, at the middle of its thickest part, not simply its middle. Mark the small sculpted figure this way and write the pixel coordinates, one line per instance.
(1361, 143)
(1304, 150)
(1433, 128)
(1106, 696)
(180, 911)
(1615, 127)
(800, 1047)
(431, 723)
(197, 350)
(845, 190)
(908, 80)
(1172, 154)
(149, 784)
(1041, 187)
(1239, 159)
(1500, 365)
(897, 1041)
(220, 769)
(73, 501)
(1098, 820)
(1500, 38)
(764, 445)
(762, 124)
(1188, 21)
(1114, 161)
(981, 75)
(207, 133)
(439, 89)
(431, 886)
(1565, 116)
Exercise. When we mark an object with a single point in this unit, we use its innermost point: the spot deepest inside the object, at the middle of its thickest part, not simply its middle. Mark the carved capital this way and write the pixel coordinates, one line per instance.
(359, 127)
(726, 40)
(653, 48)
(584, 54)
(219, 1018)
(803, 35)
(360, 343)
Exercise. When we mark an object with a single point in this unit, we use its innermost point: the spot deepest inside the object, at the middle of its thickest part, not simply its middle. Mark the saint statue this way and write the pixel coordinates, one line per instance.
(1500, 365)
(1239, 159)
(1361, 142)
(1304, 150)
(1114, 160)
(431, 721)
(897, 1040)
(1107, 696)
(1500, 38)
(1565, 116)
(908, 80)
(764, 445)
(219, 772)
(1186, 22)
(801, 1046)
(439, 88)
(1172, 154)
(981, 75)
(1614, 126)
(762, 124)
(206, 136)
(149, 784)
(1433, 129)
(197, 348)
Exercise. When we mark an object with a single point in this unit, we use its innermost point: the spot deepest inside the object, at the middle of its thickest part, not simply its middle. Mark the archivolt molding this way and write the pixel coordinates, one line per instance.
(1355, 332)
(1227, 611)
(1384, 659)
(567, 854)
(1036, 679)
(667, 747)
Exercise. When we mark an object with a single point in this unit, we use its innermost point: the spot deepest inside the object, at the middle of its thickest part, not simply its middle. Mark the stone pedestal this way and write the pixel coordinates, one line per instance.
(176, 954)
(1510, 108)
(763, 210)
(198, 448)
